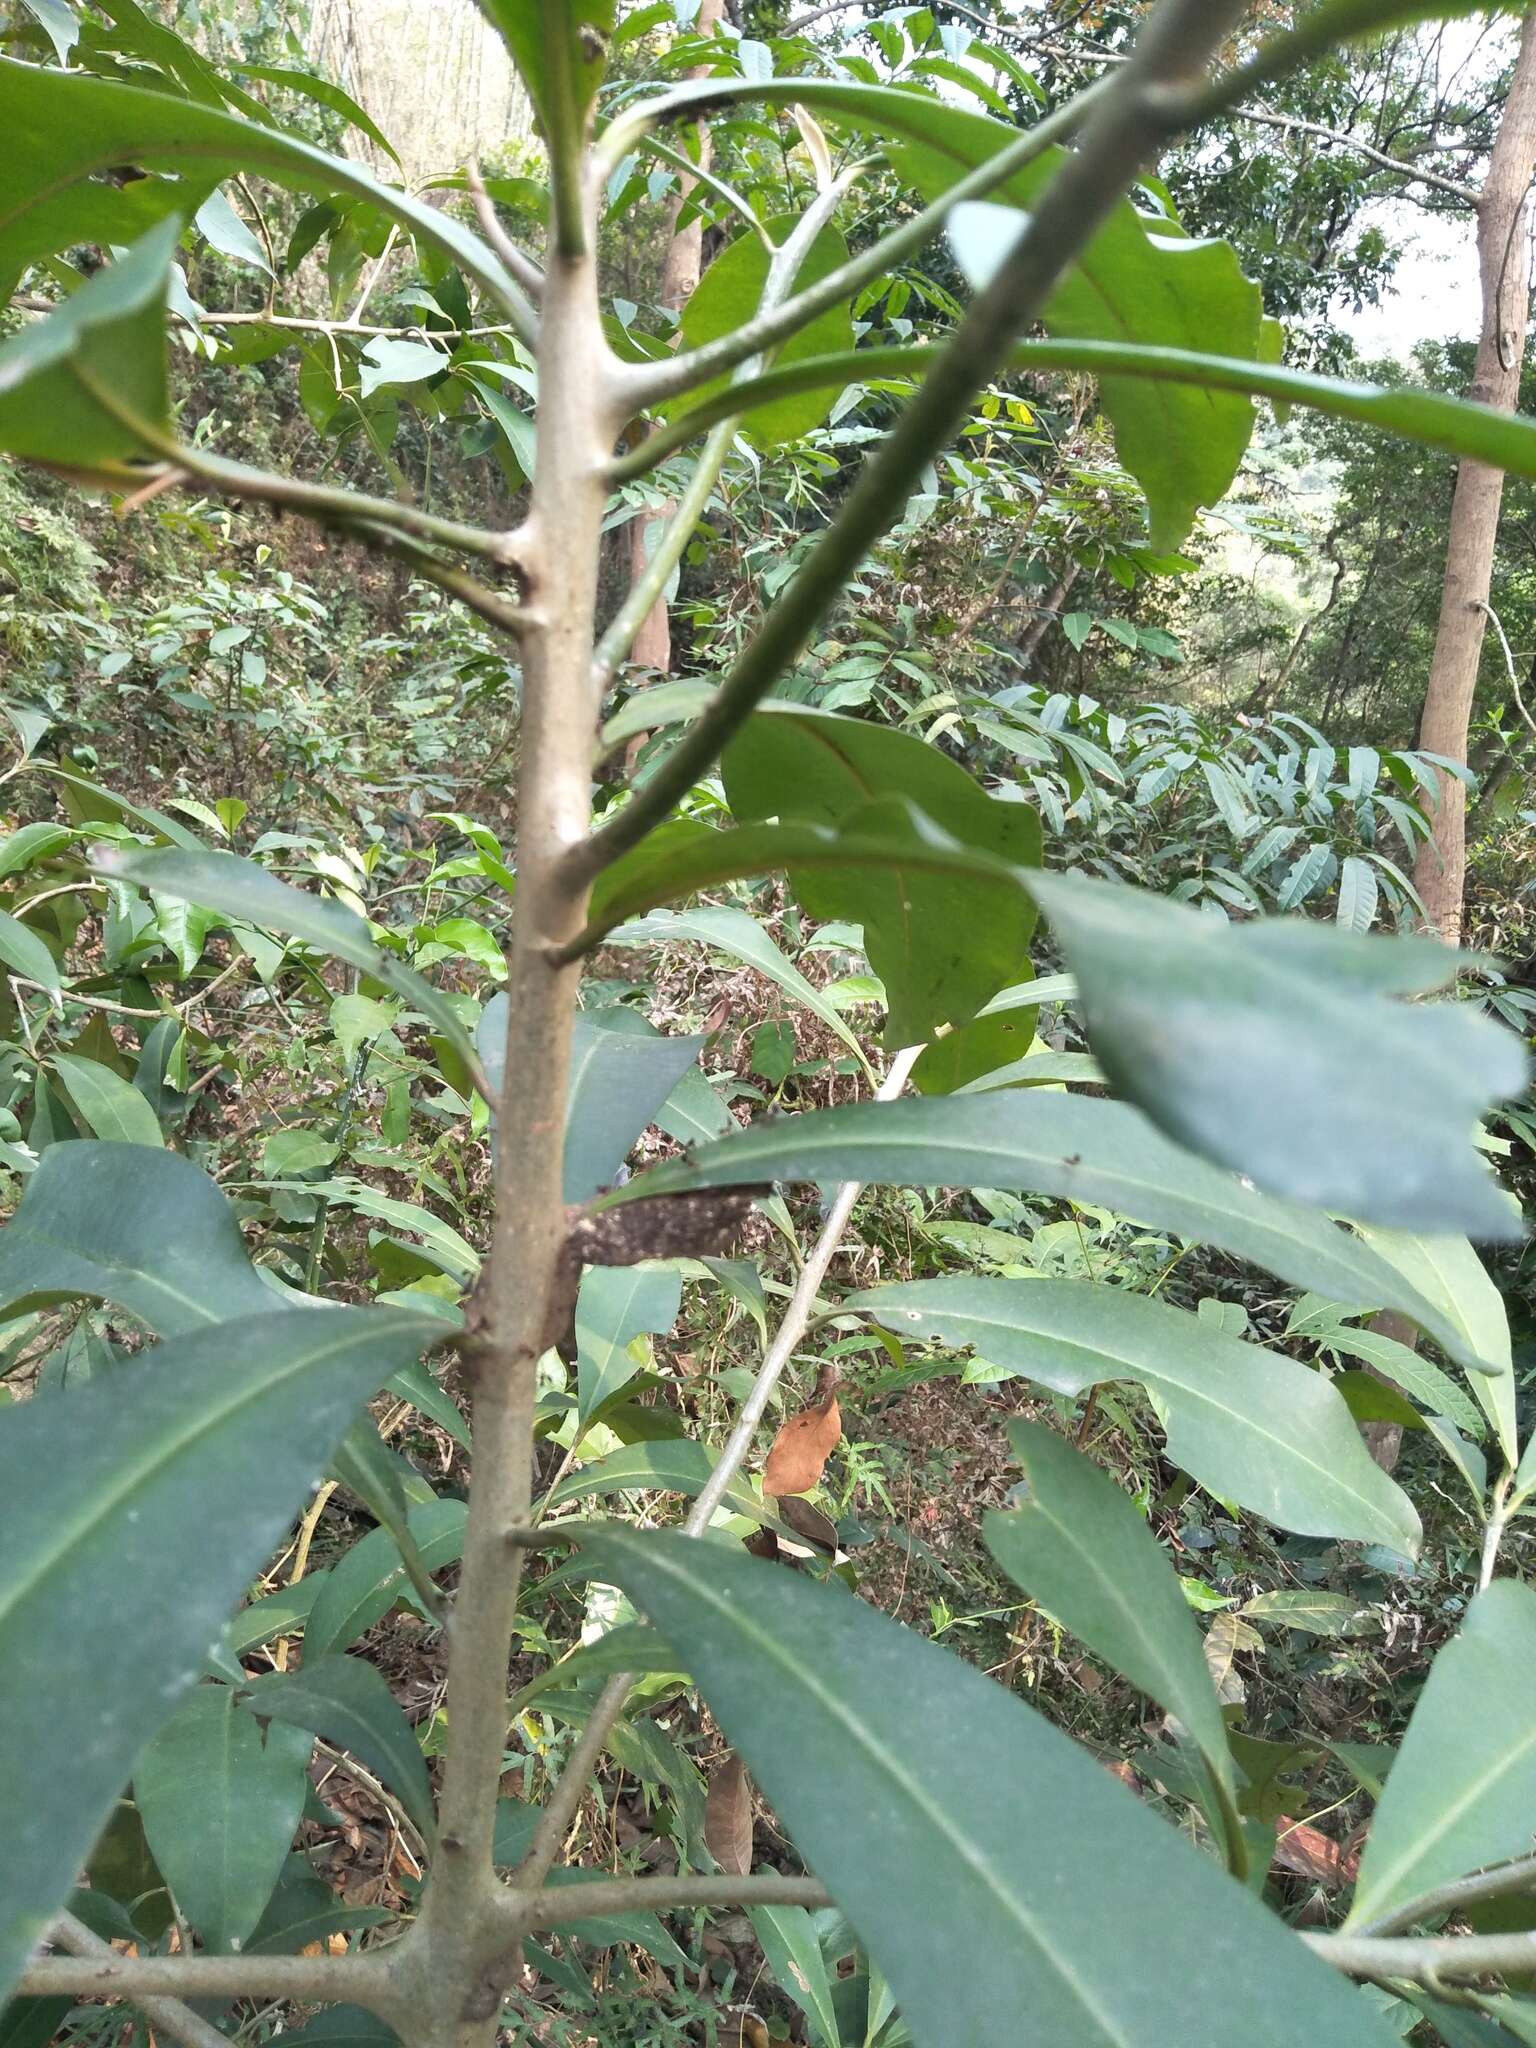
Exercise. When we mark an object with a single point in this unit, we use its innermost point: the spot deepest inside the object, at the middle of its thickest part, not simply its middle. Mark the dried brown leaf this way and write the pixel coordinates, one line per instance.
(806, 1441)
(728, 1818)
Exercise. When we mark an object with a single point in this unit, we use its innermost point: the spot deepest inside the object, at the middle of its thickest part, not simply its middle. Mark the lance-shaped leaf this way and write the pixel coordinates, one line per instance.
(349, 1702)
(220, 1805)
(1274, 1048)
(614, 1305)
(244, 890)
(1463, 1788)
(1072, 1539)
(559, 48)
(841, 773)
(1448, 1272)
(1080, 1148)
(1251, 1425)
(144, 1229)
(222, 1434)
(67, 380)
(65, 130)
(1030, 1881)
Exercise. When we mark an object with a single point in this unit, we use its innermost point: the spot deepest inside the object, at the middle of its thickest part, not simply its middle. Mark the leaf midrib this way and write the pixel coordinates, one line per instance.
(901, 1784)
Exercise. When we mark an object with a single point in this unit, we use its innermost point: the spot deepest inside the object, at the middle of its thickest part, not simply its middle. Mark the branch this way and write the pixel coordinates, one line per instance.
(30, 302)
(1135, 112)
(168, 2014)
(1426, 1959)
(567, 1903)
(783, 268)
(571, 1788)
(647, 384)
(1451, 1898)
(362, 1979)
(521, 265)
(315, 501)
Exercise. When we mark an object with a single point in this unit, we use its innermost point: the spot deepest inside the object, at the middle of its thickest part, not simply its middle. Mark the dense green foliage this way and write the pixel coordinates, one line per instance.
(356, 1109)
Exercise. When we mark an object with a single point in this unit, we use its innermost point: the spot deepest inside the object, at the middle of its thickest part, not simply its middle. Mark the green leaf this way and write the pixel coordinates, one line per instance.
(148, 1231)
(629, 1647)
(29, 844)
(220, 1807)
(222, 1434)
(65, 130)
(1183, 446)
(1073, 1540)
(112, 1107)
(1030, 1881)
(728, 296)
(1250, 1425)
(349, 1703)
(1273, 1048)
(669, 1466)
(386, 361)
(787, 1935)
(817, 768)
(242, 889)
(733, 931)
(1075, 1147)
(222, 227)
(614, 1305)
(559, 47)
(1319, 1613)
(59, 21)
(24, 952)
(622, 1071)
(1449, 1273)
(1463, 1789)
(1359, 891)
(324, 94)
(366, 1583)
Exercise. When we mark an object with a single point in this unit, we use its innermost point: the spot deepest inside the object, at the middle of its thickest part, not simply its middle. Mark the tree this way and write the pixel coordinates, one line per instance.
(1440, 873)
(992, 1867)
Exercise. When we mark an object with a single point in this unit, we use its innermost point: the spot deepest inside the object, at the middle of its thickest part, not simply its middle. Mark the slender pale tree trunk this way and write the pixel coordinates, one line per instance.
(680, 269)
(1440, 872)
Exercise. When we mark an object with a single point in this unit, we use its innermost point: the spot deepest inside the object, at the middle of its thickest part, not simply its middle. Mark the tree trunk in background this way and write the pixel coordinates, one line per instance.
(679, 279)
(1440, 870)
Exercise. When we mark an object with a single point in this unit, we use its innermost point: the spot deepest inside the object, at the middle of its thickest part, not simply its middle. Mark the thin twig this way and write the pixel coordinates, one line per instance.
(1426, 1959)
(1519, 1876)
(1509, 662)
(518, 261)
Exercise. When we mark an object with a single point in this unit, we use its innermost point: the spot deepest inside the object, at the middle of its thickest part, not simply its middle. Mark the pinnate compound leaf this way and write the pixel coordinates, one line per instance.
(1074, 1541)
(106, 342)
(1252, 1426)
(1463, 1788)
(1079, 1148)
(349, 1703)
(1030, 1881)
(220, 1807)
(221, 1433)
(817, 768)
(244, 890)
(1274, 1048)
